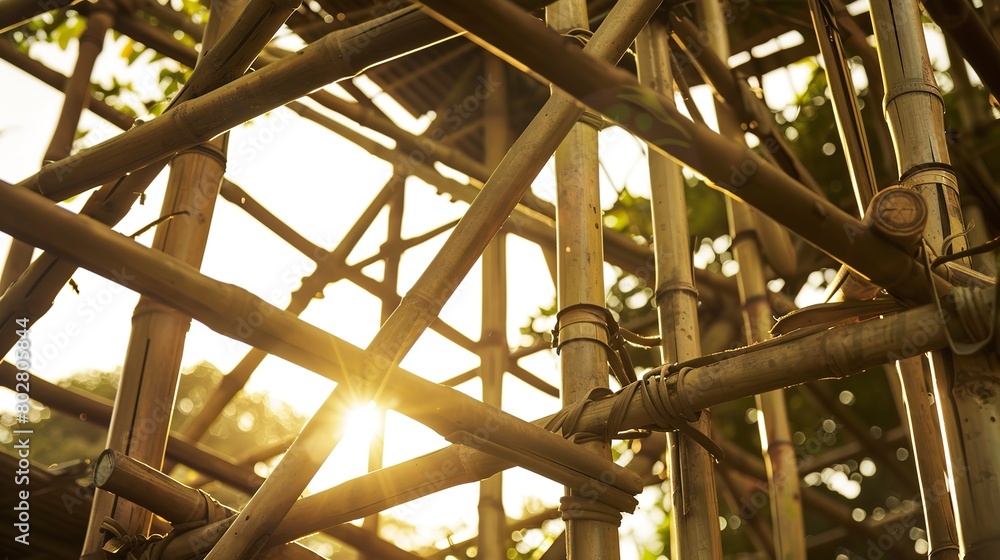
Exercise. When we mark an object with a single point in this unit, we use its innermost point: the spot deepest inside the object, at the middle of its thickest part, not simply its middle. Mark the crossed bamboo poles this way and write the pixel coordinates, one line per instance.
(906, 289)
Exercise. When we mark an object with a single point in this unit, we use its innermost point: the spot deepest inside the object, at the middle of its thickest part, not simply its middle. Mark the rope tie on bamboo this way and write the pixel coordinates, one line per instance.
(910, 86)
(118, 544)
(593, 322)
(973, 308)
(663, 398)
(930, 173)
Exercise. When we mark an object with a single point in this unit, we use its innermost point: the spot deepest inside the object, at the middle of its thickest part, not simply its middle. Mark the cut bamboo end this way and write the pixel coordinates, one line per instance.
(899, 215)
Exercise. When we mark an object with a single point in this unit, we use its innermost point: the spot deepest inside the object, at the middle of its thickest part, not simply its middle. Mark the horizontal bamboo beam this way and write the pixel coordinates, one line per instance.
(727, 165)
(236, 313)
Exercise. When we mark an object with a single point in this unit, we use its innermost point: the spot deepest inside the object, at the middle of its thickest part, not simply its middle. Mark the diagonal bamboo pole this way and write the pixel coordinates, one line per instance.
(789, 537)
(32, 295)
(726, 164)
(17, 12)
(148, 386)
(694, 526)
(583, 361)
(397, 335)
(495, 351)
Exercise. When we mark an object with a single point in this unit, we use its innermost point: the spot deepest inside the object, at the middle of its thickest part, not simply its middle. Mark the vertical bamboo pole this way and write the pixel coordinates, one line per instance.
(493, 336)
(914, 110)
(694, 518)
(144, 404)
(580, 270)
(775, 433)
(929, 457)
(77, 96)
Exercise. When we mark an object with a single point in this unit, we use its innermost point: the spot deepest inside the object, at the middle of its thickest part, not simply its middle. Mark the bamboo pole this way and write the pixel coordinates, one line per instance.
(929, 457)
(583, 361)
(775, 433)
(694, 525)
(493, 333)
(725, 164)
(845, 103)
(144, 404)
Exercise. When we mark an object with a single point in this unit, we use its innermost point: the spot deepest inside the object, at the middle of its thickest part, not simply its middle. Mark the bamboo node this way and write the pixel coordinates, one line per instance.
(910, 86)
(580, 508)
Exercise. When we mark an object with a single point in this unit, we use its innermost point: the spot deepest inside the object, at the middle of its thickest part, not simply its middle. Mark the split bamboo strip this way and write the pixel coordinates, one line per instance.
(32, 295)
(845, 103)
(748, 238)
(694, 524)
(726, 164)
(416, 311)
(147, 388)
(495, 351)
(929, 456)
(583, 361)
(15, 12)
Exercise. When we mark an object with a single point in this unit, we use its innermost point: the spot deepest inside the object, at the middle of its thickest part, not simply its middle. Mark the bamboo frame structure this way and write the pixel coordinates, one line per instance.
(937, 307)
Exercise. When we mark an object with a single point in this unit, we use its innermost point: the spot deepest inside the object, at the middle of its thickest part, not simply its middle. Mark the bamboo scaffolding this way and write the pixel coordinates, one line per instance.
(398, 334)
(151, 370)
(583, 359)
(495, 351)
(726, 164)
(694, 527)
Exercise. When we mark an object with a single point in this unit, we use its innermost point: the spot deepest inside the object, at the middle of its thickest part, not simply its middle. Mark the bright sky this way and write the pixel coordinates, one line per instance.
(318, 183)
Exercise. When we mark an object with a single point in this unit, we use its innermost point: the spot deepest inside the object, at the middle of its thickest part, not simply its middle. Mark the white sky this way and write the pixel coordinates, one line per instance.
(319, 183)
